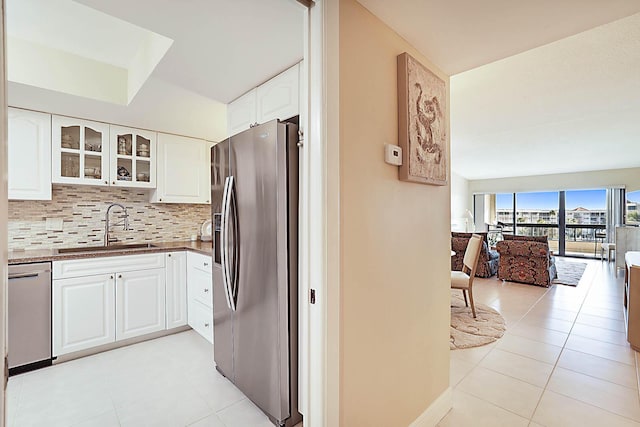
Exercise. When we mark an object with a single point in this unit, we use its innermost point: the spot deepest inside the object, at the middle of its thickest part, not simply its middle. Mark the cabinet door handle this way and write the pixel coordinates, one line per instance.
(119, 276)
(106, 182)
(206, 264)
(206, 290)
(111, 277)
(206, 325)
(114, 183)
(160, 199)
(169, 255)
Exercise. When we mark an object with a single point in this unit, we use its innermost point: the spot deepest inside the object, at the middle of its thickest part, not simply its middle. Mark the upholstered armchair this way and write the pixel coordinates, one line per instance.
(527, 260)
(488, 261)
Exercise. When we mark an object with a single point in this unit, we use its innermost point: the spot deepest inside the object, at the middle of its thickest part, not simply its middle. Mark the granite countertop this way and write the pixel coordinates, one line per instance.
(40, 255)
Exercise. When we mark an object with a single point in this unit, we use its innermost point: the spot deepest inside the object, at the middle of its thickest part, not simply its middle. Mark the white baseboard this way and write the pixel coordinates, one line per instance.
(436, 411)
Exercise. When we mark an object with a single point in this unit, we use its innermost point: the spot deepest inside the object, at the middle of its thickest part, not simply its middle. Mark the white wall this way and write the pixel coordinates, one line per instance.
(630, 178)
(460, 197)
(33, 64)
(159, 106)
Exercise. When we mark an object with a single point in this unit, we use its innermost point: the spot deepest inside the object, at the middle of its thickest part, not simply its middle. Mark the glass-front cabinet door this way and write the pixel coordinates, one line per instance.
(80, 151)
(133, 157)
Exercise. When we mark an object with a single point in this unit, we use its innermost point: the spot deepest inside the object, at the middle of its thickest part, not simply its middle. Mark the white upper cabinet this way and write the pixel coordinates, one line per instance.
(80, 151)
(277, 98)
(183, 170)
(241, 113)
(133, 157)
(29, 150)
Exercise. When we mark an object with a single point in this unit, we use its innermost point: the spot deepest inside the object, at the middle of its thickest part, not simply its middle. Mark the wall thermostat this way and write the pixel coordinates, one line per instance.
(393, 154)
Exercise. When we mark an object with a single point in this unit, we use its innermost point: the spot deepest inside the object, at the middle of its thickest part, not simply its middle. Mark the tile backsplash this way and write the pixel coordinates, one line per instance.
(82, 210)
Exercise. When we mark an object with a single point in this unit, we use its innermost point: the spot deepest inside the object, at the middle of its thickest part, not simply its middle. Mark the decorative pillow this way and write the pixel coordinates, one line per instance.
(543, 239)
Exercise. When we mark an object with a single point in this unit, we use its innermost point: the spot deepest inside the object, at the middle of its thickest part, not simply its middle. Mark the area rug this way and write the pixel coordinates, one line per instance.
(466, 332)
(569, 273)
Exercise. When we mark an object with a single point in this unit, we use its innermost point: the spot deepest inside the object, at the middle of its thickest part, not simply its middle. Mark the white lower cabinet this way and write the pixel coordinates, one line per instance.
(83, 313)
(99, 301)
(140, 303)
(201, 319)
(176, 289)
(200, 294)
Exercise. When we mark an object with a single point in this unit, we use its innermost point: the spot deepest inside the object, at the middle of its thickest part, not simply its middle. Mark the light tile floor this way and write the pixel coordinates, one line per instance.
(564, 360)
(170, 381)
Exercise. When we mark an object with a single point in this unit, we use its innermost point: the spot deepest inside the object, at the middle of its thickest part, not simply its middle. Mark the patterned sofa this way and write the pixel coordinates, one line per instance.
(488, 261)
(526, 259)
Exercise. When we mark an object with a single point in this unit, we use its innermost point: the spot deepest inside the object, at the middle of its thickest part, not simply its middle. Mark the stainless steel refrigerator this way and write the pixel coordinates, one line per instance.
(254, 195)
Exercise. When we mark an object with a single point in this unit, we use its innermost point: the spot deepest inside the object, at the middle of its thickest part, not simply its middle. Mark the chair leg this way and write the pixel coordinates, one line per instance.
(464, 293)
(473, 306)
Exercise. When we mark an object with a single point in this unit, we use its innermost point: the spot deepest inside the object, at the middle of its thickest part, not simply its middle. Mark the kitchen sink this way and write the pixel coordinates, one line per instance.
(106, 248)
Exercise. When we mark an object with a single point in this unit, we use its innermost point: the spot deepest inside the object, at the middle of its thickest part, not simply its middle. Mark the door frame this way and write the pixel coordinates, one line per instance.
(3, 211)
(320, 218)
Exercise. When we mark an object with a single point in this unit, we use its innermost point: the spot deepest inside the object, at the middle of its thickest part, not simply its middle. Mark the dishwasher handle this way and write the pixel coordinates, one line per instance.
(26, 275)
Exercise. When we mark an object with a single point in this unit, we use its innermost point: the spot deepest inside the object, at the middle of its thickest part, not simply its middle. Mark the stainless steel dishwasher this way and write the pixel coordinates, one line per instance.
(29, 320)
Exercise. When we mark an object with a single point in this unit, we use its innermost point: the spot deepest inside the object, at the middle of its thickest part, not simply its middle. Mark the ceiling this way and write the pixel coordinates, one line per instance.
(76, 29)
(218, 49)
(537, 87)
(64, 46)
(221, 48)
(569, 106)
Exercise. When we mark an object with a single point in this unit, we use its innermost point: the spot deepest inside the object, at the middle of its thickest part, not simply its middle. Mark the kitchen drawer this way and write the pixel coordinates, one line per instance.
(104, 265)
(199, 261)
(200, 286)
(201, 319)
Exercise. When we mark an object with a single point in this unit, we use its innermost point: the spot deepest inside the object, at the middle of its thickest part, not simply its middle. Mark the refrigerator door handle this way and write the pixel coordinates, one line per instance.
(226, 267)
(224, 234)
(236, 262)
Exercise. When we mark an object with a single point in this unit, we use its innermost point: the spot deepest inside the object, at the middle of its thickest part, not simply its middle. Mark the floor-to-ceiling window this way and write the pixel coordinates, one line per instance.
(575, 221)
(504, 211)
(632, 209)
(537, 215)
(586, 221)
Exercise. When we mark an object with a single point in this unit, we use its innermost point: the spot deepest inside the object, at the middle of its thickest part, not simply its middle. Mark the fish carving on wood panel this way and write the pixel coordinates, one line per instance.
(428, 112)
(422, 122)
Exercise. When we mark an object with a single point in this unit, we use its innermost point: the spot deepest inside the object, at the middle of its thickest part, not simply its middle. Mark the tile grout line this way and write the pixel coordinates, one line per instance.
(555, 365)
(561, 367)
(476, 365)
(560, 355)
(590, 288)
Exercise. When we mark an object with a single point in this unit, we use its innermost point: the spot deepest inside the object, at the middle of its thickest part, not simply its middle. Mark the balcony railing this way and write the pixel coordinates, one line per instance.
(580, 239)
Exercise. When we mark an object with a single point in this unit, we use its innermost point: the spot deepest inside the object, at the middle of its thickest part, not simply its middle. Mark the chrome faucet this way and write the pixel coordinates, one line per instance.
(124, 222)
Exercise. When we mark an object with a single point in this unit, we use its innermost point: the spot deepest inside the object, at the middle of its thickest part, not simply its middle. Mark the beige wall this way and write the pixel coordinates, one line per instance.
(566, 181)
(394, 243)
